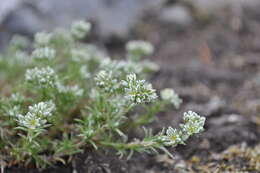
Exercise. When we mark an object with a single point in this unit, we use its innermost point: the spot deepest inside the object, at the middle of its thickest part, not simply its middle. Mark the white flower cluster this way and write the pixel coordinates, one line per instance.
(37, 115)
(121, 66)
(149, 66)
(106, 81)
(172, 137)
(42, 109)
(14, 111)
(30, 121)
(193, 123)
(87, 54)
(109, 64)
(170, 95)
(79, 55)
(16, 101)
(138, 91)
(41, 77)
(74, 90)
(139, 48)
(19, 42)
(128, 66)
(16, 98)
(43, 53)
(84, 72)
(80, 29)
(21, 57)
(42, 39)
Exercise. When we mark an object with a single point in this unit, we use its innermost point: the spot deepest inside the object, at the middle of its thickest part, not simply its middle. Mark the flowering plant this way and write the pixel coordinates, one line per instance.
(67, 95)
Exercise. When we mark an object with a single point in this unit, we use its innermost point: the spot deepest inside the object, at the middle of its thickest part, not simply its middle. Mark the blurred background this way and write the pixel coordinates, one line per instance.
(208, 51)
(117, 18)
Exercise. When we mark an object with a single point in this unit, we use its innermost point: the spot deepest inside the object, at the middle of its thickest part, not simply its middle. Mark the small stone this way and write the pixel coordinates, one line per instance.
(178, 15)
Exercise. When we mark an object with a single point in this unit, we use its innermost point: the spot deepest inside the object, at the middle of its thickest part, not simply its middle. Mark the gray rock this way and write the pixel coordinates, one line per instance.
(178, 15)
(6, 6)
(24, 21)
(212, 6)
(112, 17)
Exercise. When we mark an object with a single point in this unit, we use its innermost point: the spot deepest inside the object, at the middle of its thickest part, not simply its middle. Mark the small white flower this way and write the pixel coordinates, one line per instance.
(41, 77)
(43, 53)
(14, 111)
(193, 123)
(43, 109)
(80, 29)
(130, 67)
(30, 121)
(149, 66)
(80, 55)
(16, 98)
(170, 95)
(119, 102)
(172, 137)
(138, 48)
(42, 39)
(87, 54)
(20, 57)
(120, 67)
(19, 42)
(37, 115)
(93, 93)
(108, 64)
(106, 81)
(84, 72)
(138, 91)
(95, 55)
(74, 90)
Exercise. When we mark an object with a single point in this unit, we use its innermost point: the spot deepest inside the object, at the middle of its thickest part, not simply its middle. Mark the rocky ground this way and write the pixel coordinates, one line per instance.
(209, 53)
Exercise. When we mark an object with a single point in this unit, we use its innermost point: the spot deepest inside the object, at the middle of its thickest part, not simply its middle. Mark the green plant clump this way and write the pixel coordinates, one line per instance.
(65, 96)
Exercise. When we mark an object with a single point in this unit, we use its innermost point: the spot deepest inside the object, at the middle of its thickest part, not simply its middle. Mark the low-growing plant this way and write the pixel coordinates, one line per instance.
(67, 95)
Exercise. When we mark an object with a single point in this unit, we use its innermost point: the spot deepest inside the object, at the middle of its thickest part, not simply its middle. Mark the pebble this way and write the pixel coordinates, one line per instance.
(178, 15)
